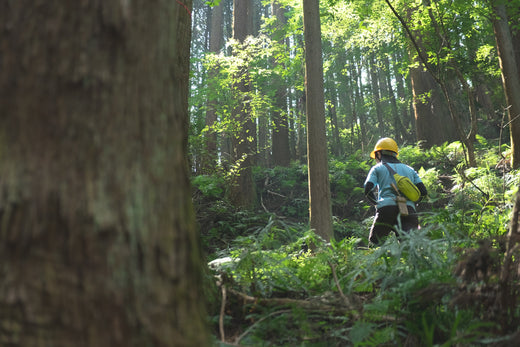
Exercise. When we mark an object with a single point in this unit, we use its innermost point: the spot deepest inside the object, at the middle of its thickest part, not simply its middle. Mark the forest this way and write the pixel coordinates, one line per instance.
(192, 172)
(287, 100)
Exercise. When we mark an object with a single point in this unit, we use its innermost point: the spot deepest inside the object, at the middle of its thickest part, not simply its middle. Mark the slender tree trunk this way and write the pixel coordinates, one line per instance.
(301, 141)
(264, 146)
(404, 104)
(215, 45)
(345, 94)
(319, 188)
(510, 77)
(400, 130)
(332, 105)
(374, 82)
(301, 149)
(280, 150)
(98, 243)
(242, 190)
(292, 116)
(359, 102)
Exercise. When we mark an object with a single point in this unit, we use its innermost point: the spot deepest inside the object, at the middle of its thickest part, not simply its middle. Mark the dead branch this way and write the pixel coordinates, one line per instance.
(314, 305)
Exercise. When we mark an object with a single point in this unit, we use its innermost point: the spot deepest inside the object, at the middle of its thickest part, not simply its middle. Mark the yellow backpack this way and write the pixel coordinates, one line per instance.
(405, 185)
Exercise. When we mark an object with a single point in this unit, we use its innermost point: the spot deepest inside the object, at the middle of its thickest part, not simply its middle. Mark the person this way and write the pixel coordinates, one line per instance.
(387, 211)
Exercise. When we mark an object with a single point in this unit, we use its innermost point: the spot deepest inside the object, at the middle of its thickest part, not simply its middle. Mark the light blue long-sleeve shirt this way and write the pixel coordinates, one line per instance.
(381, 178)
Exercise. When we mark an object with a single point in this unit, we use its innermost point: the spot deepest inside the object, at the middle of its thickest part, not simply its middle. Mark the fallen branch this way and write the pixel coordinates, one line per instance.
(315, 305)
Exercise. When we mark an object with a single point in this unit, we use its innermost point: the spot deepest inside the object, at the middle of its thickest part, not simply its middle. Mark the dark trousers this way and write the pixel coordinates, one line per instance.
(386, 221)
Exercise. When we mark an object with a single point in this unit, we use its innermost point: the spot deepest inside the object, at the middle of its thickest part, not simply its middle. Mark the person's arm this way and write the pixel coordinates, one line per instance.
(369, 192)
(423, 190)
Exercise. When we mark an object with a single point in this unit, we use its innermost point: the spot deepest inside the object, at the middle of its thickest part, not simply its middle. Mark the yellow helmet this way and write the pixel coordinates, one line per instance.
(387, 144)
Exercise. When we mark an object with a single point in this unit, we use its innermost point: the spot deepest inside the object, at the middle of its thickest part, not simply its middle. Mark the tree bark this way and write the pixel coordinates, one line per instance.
(510, 76)
(319, 187)
(432, 118)
(215, 45)
(98, 243)
(242, 190)
(280, 149)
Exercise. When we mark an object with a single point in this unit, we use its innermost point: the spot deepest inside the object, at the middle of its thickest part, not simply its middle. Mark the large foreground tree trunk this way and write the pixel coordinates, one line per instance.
(98, 245)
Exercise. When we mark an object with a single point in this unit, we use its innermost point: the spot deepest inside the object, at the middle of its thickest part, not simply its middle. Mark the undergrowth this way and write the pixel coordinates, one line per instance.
(436, 286)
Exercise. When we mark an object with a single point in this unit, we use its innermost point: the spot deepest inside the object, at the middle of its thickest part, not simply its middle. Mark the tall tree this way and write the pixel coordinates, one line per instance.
(98, 240)
(433, 124)
(374, 82)
(242, 191)
(404, 98)
(359, 101)
(319, 187)
(510, 76)
(280, 149)
(399, 128)
(216, 39)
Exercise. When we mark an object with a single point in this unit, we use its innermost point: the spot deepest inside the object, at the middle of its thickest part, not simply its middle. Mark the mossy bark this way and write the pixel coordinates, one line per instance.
(98, 245)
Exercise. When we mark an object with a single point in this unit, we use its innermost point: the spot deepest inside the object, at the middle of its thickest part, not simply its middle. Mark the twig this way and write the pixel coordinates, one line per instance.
(277, 194)
(467, 179)
(333, 268)
(347, 301)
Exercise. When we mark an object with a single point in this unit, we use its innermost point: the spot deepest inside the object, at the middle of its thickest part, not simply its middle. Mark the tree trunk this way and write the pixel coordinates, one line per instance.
(400, 130)
(359, 115)
(242, 190)
(319, 188)
(333, 115)
(263, 157)
(345, 98)
(404, 103)
(301, 148)
(215, 45)
(332, 102)
(510, 77)
(98, 243)
(280, 149)
(374, 82)
(432, 118)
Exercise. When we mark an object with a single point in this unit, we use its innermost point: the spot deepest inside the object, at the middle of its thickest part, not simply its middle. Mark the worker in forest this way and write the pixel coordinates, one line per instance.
(381, 176)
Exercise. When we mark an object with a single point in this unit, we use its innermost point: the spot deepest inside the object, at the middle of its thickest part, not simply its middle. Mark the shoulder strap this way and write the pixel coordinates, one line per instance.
(392, 171)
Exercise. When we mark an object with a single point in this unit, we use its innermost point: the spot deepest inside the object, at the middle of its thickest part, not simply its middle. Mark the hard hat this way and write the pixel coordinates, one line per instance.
(383, 144)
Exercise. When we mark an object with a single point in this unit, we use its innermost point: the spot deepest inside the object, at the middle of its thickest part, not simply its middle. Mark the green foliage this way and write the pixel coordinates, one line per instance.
(409, 282)
(444, 157)
(404, 292)
(209, 186)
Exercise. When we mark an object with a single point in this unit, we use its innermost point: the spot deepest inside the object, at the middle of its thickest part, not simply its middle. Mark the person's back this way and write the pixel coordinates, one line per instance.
(387, 211)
